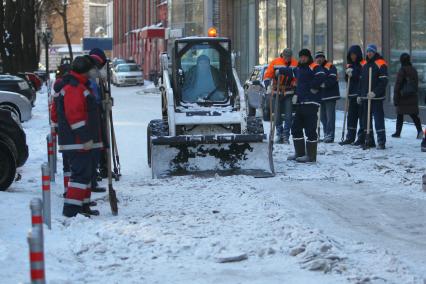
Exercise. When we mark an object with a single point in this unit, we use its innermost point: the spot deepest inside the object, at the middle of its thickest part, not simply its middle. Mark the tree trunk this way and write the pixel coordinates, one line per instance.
(66, 34)
(28, 36)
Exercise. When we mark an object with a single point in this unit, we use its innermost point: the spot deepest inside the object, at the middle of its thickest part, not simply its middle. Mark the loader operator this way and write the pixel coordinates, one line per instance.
(310, 76)
(204, 82)
(286, 92)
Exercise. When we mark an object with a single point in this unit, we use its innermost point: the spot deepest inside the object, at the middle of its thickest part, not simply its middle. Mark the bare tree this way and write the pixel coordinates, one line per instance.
(61, 8)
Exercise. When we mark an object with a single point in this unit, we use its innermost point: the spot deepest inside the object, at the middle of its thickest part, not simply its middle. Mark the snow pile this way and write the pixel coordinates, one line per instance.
(354, 217)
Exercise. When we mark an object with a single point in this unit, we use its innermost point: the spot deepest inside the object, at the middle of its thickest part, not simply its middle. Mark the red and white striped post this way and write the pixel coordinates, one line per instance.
(36, 206)
(45, 179)
(50, 156)
(35, 242)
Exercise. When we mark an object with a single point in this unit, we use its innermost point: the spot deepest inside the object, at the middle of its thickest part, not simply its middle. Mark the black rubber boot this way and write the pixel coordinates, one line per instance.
(71, 210)
(299, 149)
(346, 142)
(98, 189)
(86, 210)
(311, 155)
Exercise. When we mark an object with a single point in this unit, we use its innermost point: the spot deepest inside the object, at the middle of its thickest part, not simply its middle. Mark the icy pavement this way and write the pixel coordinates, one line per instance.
(354, 217)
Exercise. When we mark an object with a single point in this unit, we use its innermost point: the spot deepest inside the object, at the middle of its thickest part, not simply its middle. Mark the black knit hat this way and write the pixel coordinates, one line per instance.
(82, 64)
(305, 52)
(319, 54)
(99, 55)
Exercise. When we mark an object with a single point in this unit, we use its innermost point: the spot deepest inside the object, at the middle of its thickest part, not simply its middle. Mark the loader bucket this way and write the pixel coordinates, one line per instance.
(206, 155)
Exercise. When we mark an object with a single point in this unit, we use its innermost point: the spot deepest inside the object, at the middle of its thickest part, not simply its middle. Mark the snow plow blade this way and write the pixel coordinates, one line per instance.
(207, 155)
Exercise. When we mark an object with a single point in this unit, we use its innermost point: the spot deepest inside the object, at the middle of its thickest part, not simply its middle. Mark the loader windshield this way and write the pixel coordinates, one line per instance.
(204, 79)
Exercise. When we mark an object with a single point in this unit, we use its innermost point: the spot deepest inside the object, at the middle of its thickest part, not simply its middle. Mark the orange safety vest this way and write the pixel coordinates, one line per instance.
(286, 84)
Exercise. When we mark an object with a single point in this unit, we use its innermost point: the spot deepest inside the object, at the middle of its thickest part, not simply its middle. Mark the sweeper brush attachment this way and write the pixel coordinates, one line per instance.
(206, 155)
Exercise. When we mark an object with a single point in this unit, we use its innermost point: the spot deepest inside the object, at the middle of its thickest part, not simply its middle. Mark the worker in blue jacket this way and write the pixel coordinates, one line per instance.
(379, 82)
(354, 65)
(310, 76)
(329, 95)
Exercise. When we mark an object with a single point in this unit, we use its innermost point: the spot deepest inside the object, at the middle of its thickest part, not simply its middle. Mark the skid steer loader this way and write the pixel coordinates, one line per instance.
(204, 127)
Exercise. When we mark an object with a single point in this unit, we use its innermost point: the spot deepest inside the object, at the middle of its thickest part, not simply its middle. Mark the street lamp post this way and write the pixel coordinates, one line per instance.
(47, 38)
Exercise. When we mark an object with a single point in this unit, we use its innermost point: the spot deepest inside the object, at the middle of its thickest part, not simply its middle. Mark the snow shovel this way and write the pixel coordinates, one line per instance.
(107, 107)
(346, 108)
(273, 120)
(367, 137)
(319, 123)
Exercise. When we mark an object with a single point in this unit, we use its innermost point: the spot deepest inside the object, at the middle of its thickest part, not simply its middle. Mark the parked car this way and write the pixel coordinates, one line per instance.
(127, 74)
(16, 103)
(117, 61)
(35, 80)
(16, 84)
(32, 79)
(255, 91)
(13, 147)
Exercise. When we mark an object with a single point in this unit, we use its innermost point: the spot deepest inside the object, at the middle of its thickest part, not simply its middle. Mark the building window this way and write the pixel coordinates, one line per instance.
(272, 30)
(355, 22)
(282, 24)
(373, 23)
(263, 32)
(296, 25)
(418, 43)
(308, 24)
(321, 25)
(98, 18)
(400, 33)
(339, 35)
(188, 15)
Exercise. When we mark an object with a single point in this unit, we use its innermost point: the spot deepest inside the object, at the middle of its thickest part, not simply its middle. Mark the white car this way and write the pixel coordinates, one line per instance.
(127, 74)
(17, 104)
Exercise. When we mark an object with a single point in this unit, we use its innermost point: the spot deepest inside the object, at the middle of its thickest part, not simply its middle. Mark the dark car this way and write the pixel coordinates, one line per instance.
(18, 85)
(13, 147)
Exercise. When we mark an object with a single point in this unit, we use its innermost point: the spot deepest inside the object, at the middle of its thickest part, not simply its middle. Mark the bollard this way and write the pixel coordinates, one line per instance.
(46, 194)
(55, 149)
(50, 156)
(35, 242)
(424, 182)
(36, 207)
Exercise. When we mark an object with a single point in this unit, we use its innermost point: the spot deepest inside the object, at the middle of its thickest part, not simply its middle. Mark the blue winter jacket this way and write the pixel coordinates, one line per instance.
(354, 87)
(330, 88)
(309, 78)
(379, 78)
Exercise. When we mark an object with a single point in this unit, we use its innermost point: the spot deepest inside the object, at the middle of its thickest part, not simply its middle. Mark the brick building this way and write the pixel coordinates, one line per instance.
(139, 31)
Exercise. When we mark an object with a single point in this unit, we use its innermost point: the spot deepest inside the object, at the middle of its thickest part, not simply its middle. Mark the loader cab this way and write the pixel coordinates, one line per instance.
(202, 72)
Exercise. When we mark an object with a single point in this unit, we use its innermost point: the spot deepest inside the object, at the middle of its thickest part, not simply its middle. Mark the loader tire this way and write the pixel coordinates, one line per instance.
(156, 127)
(254, 125)
(7, 165)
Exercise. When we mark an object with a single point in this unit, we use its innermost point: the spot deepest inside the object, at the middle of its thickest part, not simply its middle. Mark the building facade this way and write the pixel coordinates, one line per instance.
(260, 29)
(139, 32)
(395, 26)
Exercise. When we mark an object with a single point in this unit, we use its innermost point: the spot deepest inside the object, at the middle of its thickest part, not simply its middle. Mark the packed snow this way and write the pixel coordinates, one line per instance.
(354, 217)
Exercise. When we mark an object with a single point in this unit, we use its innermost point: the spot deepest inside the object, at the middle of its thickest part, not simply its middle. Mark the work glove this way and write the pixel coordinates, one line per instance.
(322, 85)
(267, 83)
(294, 99)
(349, 72)
(371, 95)
(359, 100)
(314, 91)
(88, 145)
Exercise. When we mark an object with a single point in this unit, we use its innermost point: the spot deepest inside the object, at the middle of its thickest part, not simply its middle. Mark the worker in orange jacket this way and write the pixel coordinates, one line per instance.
(286, 92)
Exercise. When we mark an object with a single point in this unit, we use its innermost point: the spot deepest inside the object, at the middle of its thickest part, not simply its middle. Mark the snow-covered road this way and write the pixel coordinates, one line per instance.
(358, 215)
